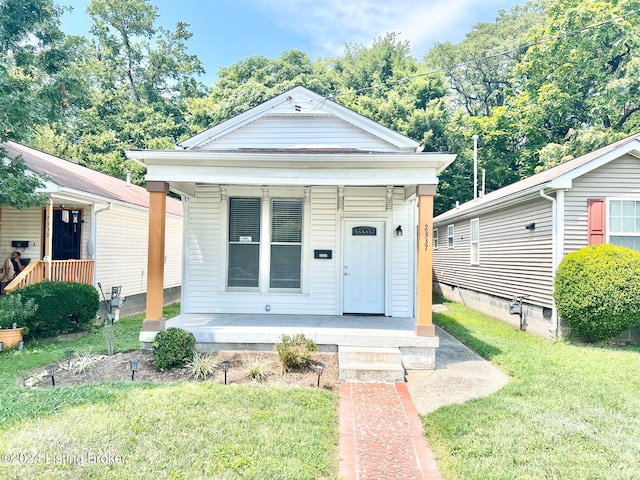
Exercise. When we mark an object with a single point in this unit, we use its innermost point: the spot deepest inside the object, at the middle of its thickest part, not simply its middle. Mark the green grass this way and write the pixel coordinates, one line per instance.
(177, 430)
(569, 411)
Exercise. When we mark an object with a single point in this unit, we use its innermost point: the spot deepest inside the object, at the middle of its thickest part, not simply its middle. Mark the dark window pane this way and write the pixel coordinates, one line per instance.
(286, 223)
(285, 266)
(243, 264)
(244, 220)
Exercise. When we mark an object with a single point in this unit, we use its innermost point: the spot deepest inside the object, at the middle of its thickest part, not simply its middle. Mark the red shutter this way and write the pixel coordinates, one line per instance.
(596, 221)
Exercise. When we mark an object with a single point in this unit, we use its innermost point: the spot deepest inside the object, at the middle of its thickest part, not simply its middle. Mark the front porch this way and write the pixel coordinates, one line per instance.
(377, 335)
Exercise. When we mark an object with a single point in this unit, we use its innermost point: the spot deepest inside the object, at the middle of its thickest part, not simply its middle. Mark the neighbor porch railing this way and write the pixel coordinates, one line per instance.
(61, 270)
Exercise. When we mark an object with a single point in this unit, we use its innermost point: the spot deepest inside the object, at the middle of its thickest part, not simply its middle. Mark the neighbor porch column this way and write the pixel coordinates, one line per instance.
(424, 326)
(155, 270)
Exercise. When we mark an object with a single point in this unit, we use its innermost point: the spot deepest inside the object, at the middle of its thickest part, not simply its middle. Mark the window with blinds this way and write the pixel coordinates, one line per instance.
(244, 242)
(286, 243)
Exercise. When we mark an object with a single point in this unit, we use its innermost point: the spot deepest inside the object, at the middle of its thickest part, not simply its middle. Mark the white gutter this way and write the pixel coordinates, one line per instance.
(94, 237)
(554, 250)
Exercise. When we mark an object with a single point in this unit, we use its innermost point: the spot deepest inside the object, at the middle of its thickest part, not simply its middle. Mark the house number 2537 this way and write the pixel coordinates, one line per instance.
(426, 237)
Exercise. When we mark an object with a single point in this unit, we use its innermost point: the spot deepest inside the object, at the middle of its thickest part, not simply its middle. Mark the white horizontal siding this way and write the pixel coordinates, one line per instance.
(401, 257)
(617, 179)
(21, 225)
(122, 248)
(513, 260)
(203, 291)
(299, 131)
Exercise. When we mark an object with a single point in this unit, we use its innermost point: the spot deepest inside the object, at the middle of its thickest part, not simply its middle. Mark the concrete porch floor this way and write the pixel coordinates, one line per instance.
(327, 331)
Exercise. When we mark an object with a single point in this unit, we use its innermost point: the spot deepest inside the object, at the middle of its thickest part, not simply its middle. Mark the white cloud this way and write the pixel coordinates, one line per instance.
(330, 23)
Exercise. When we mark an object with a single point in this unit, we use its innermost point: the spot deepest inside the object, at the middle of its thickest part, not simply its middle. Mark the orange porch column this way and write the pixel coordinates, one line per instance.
(424, 325)
(155, 266)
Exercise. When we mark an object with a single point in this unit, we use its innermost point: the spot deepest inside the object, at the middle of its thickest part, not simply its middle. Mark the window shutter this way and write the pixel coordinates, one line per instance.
(596, 221)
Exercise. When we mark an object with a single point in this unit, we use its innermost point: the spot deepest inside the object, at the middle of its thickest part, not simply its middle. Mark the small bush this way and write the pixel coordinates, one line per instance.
(173, 347)
(201, 366)
(296, 351)
(15, 310)
(257, 368)
(62, 307)
(597, 291)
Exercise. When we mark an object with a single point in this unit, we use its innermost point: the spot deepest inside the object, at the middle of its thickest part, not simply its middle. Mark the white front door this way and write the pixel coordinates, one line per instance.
(363, 267)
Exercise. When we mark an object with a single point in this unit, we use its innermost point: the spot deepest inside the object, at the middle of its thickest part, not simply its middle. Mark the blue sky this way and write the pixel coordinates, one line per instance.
(225, 31)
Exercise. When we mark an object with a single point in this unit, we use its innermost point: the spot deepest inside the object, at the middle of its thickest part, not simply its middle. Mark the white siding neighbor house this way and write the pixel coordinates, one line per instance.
(300, 206)
(510, 242)
(99, 231)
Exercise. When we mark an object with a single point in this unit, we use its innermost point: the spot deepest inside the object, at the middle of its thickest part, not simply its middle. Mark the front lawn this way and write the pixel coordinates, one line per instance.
(125, 429)
(569, 411)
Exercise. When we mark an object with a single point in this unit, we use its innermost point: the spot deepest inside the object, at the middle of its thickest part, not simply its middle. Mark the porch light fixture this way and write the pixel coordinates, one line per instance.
(226, 365)
(399, 231)
(530, 226)
(51, 371)
(319, 368)
(68, 354)
(133, 363)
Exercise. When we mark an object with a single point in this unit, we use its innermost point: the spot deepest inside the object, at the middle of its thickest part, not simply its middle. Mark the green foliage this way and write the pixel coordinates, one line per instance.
(201, 365)
(62, 307)
(597, 290)
(17, 188)
(173, 347)
(295, 352)
(257, 368)
(13, 309)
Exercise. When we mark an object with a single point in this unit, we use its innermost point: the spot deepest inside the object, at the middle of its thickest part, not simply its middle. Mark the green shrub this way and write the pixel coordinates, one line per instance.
(296, 351)
(597, 291)
(173, 347)
(62, 307)
(201, 365)
(15, 310)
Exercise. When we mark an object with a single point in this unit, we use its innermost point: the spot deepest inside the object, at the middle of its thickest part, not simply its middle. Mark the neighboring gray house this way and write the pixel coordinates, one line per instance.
(511, 241)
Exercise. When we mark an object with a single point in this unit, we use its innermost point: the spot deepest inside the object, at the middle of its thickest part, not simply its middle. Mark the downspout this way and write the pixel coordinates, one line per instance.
(554, 254)
(94, 238)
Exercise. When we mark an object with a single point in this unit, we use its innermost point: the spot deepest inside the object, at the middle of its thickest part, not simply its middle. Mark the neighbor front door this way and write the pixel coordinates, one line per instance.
(363, 270)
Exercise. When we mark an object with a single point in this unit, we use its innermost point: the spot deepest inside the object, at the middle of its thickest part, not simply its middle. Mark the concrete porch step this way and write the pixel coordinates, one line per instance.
(372, 364)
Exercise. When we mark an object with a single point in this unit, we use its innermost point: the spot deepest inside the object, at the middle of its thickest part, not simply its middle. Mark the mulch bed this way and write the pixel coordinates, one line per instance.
(103, 368)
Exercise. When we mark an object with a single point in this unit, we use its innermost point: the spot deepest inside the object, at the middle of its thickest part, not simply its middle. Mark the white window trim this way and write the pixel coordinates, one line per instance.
(608, 217)
(452, 243)
(266, 195)
(436, 239)
(474, 242)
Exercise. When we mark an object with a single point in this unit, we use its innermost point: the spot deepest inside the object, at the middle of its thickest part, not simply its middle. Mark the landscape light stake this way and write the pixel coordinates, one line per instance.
(1, 346)
(20, 344)
(51, 370)
(319, 367)
(134, 366)
(225, 368)
(68, 354)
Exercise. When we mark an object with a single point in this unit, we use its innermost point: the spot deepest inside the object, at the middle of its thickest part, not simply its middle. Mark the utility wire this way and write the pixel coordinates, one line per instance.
(488, 57)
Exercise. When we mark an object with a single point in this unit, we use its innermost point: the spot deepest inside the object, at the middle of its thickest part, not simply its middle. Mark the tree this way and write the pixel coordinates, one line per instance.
(34, 86)
(137, 79)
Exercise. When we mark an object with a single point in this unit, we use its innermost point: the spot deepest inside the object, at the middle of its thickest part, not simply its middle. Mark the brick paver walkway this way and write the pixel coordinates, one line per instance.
(381, 435)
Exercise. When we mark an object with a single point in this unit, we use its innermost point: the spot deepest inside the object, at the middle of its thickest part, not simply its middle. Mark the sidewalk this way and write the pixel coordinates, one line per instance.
(381, 435)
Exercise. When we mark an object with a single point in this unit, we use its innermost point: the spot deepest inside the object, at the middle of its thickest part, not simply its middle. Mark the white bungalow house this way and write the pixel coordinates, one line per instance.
(93, 230)
(295, 208)
(511, 241)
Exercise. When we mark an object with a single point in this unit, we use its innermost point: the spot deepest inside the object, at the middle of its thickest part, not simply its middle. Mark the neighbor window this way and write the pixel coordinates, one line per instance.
(475, 241)
(286, 243)
(435, 238)
(624, 223)
(450, 236)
